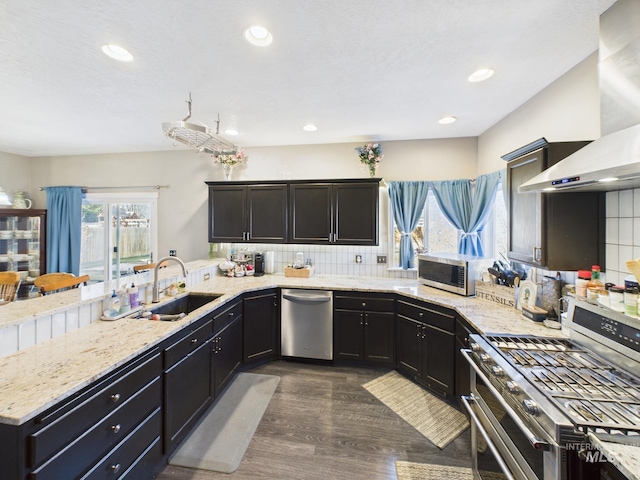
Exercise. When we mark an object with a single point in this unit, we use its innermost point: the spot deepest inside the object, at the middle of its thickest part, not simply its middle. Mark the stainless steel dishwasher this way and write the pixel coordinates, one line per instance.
(307, 324)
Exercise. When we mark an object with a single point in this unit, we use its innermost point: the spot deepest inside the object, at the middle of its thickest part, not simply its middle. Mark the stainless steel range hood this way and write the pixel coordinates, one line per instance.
(595, 166)
(616, 155)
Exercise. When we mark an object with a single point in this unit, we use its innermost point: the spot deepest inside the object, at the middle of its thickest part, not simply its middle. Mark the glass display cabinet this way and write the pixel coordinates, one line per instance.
(23, 242)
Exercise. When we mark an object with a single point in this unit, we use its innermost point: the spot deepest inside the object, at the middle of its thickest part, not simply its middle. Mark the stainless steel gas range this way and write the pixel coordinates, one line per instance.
(534, 399)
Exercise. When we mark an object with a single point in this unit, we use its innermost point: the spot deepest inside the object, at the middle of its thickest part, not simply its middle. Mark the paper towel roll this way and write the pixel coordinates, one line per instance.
(269, 262)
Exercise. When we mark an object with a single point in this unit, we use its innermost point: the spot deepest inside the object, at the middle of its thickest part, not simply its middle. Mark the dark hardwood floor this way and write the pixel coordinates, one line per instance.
(321, 424)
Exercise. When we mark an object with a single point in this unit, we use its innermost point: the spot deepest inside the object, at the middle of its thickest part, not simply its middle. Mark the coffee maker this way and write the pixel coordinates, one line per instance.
(258, 264)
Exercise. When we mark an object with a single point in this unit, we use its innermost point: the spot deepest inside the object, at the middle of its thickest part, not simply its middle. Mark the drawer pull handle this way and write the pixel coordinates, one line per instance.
(115, 468)
(115, 397)
(231, 314)
(115, 428)
(194, 340)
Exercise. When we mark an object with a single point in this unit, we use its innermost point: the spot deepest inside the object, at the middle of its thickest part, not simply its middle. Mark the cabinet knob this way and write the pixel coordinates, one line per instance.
(115, 397)
(364, 304)
(231, 314)
(194, 341)
(421, 314)
(115, 428)
(115, 468)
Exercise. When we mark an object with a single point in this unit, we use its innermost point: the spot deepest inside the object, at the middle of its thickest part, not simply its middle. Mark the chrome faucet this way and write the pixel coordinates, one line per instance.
(156, 292)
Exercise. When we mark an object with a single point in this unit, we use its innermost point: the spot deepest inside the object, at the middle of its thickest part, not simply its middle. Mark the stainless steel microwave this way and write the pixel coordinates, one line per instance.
(452, 272)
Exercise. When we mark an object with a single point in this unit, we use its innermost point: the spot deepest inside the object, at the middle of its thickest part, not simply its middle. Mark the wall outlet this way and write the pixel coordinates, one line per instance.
(382, 259)
(173, 253)
(358, 258)
(207, 276)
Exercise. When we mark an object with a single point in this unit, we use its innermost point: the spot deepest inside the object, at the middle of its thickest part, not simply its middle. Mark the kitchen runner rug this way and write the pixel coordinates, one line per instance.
(427, 471)
(432, 417)
(218, 442)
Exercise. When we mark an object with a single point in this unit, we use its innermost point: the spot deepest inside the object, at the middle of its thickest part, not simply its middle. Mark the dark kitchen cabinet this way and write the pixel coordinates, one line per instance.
(363, 327)
(261, 322)
(555, 231)
(425, 345)
(337, 213)
(241, 212)
(113, 426)
(226, 354)
(463, 374)
(187, 369)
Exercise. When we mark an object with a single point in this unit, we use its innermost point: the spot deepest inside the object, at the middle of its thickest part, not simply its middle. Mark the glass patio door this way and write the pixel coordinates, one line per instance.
(119, 231)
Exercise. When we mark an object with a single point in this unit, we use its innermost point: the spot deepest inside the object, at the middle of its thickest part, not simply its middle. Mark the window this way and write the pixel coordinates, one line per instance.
(441, 236)
(119, 230)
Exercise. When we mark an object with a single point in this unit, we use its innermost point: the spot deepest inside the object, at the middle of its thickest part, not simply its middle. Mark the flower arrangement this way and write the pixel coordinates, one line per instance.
(370, 154)
(231, 160)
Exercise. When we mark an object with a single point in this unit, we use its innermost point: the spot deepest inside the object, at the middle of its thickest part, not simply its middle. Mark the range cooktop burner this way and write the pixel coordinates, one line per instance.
(593, 393)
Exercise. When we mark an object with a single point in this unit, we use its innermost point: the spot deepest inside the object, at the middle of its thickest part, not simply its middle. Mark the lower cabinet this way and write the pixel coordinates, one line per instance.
(112, 429)
(261, 325)
(226, 353)
(364, 327)
(463, 372)
(425, 344)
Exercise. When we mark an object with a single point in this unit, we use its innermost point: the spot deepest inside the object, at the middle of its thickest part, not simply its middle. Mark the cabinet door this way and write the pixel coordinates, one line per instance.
(261, 321)
(409, 346)
(379, 340)
(525, 210)
(311, 213)
(226, 355)
(267, 215)
(348, 335)
(439, 359)
(187, 394)
(227, 213)
(355, 213)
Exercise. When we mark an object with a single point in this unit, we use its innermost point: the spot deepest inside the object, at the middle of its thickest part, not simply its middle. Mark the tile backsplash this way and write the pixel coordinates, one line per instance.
(622, 234)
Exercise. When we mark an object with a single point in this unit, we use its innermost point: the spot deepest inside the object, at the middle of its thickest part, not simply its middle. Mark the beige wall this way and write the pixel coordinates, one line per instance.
(568, 109)
(15, 174)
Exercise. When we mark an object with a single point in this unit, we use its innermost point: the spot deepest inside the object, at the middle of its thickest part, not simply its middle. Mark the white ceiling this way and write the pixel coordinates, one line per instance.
(359, 69)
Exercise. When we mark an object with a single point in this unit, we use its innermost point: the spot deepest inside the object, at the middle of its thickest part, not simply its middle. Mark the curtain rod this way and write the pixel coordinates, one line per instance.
(153, 187)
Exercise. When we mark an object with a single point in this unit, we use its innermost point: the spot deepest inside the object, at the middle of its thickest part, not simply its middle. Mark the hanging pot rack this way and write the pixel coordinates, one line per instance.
(199, 137)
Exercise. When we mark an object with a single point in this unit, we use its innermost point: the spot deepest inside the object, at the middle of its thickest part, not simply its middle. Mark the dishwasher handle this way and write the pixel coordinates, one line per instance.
(306, 297)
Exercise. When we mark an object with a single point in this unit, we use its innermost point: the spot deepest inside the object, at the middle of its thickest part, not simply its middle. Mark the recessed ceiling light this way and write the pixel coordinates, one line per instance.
(257, 35)
(231, 131)
(447, 120)
(480, 75)
(117, 53)
(310, 127)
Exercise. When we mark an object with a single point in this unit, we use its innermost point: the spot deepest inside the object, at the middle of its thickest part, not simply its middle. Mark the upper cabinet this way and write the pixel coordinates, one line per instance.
(247, 213)
(340, 212)
(555, 231)
(337, 213)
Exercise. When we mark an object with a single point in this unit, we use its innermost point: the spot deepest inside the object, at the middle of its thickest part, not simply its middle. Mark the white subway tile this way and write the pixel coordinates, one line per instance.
(8, 340)
(625, 203)
(611, 230)
(625, 231)
(612, 204)
(58, 324)
(625, 252)
(26, 334)
(43, 329)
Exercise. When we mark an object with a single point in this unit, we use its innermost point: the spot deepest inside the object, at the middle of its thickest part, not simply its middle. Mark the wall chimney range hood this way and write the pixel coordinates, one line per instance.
(613, 161)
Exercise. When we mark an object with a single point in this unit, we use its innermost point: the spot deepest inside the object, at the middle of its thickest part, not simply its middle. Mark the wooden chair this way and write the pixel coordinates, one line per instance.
(63, 283)
(49, 278)
(148, 266)
(9, 284)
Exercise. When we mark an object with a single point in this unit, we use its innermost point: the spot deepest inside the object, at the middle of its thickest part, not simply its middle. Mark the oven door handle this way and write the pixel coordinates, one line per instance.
(466, 400)
(535, 441)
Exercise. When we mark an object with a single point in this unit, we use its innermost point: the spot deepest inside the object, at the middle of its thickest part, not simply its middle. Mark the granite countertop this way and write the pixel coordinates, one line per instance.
(625, 457)
(36, 378)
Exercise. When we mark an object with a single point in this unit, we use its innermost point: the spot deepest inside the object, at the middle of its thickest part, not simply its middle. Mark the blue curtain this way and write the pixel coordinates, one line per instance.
(64, 229)
(468, 211)
(407, 203)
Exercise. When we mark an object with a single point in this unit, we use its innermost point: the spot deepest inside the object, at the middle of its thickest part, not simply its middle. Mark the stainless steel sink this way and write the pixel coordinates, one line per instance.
(186, 304)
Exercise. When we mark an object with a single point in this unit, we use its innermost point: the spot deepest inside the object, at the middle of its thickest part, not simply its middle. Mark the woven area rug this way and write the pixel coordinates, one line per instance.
(427, 471)
(221, 438)
(432, 417)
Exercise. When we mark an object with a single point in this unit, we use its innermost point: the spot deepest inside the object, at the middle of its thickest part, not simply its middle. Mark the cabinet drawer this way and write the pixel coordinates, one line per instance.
(99, 403)
(226, 316)
(187, 344)
(124, 456)
(79, 456)
(369, 303)
(431, 314)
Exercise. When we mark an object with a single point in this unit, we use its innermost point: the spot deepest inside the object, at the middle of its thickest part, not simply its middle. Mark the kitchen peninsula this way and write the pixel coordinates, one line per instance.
(42, 376)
